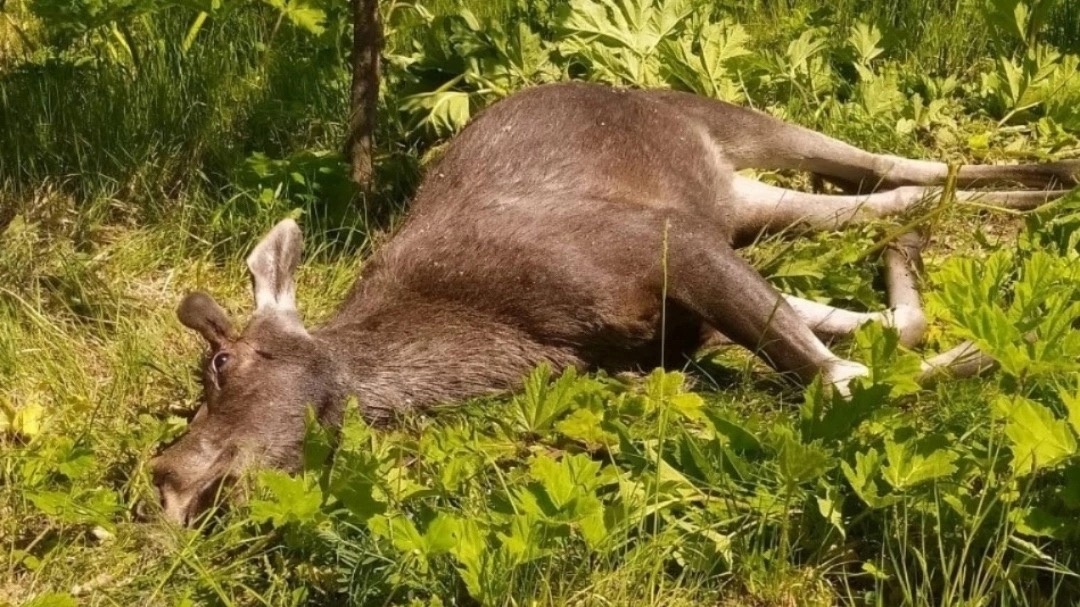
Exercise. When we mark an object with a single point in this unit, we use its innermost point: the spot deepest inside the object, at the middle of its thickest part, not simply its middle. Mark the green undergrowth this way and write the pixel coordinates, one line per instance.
(722, 484)
(145, 149)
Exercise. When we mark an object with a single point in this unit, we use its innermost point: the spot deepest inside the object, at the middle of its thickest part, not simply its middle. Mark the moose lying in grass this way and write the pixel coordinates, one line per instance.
(571, 224)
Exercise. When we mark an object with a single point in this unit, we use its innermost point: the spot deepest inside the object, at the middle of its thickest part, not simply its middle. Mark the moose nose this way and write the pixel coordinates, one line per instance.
(174, 504)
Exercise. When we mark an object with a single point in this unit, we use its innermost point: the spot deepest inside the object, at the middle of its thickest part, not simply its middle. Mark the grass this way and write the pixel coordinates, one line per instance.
(125, 183)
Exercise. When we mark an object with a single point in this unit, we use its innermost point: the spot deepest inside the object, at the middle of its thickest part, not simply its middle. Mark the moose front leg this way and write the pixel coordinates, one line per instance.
(903, 262)
(711, 280)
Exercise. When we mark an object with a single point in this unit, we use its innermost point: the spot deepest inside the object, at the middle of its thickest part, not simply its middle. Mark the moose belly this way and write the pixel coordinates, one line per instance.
(615, 324)
(668, 338)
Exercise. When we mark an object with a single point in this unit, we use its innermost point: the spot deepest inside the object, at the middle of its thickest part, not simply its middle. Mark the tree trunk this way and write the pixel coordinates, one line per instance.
(367, 44)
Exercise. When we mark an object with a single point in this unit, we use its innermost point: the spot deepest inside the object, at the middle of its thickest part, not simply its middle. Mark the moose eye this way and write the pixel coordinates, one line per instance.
(219, 361)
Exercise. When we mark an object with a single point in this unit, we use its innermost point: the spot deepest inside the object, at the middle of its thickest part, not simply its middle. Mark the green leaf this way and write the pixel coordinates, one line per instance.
(525, 541)
(1026, 324)
(1038, 439)
(442, 534)
(800, 463)
(292, 500)
(401, 532)
(666, 390)
(862, 478)
(566, 479)
(1071, 400)
(888, 364)
(544, 402)
(301, 14)
(52, 599)
(865, 39)
(619, 41)
(805, 47)
(827, 415)
(355, 492)
(1040, 522)
(318, 443)
(830, 505)
(706, 61)
(90, 506)
(445, 112)
(915, 461)
(586, 426)
(733, 434)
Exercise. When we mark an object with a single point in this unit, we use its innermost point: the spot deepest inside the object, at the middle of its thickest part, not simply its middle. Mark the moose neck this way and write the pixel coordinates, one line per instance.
(412, 355)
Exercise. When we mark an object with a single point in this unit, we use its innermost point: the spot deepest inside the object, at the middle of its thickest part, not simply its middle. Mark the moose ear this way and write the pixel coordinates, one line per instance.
(272, 265)
(200, 312)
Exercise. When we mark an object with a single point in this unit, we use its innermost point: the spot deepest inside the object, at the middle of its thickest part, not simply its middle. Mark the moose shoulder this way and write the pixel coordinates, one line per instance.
(569, 224)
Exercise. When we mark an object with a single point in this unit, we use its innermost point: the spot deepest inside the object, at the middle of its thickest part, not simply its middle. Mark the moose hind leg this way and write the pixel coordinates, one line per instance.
(776, 144)
(759, 207)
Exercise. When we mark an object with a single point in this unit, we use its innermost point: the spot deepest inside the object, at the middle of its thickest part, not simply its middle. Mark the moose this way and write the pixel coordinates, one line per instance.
(575, 225)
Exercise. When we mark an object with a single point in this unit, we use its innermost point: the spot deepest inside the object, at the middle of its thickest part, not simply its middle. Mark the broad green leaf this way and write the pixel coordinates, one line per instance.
(888, 365)
(301, 14)
(25, 420)
(1040, 522)
(90, 506)
(585, 425)
(306, 17)
(865, 39)
(914, 461)
(544, 401)
(526, 539)
(292, 499)
(401, 532)
(566, 479)
(862, 478)
(442, 534)
(619, 40)
(827, 415)
(712, 70)
(808, 45)
(445, 112)
(800, 463)
(1038, 439)
(732, 433)
(667, 390)
(318, 443)
(830, 505)
(1026, 323)
(470, 545)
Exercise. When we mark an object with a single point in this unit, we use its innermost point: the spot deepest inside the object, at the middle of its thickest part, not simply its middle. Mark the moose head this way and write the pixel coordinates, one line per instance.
(258, 385)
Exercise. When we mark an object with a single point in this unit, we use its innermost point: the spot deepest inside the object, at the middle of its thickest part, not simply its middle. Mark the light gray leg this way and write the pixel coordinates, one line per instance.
(779, 145)
(964, 360)
(829, 322)
(765, 208)
(902, 261)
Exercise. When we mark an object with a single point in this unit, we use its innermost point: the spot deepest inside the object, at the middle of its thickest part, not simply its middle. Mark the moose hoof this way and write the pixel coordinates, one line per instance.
(840, 374)
(910, 323)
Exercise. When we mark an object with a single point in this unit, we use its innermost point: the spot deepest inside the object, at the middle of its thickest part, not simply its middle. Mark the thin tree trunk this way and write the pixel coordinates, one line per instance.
(367, 45)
